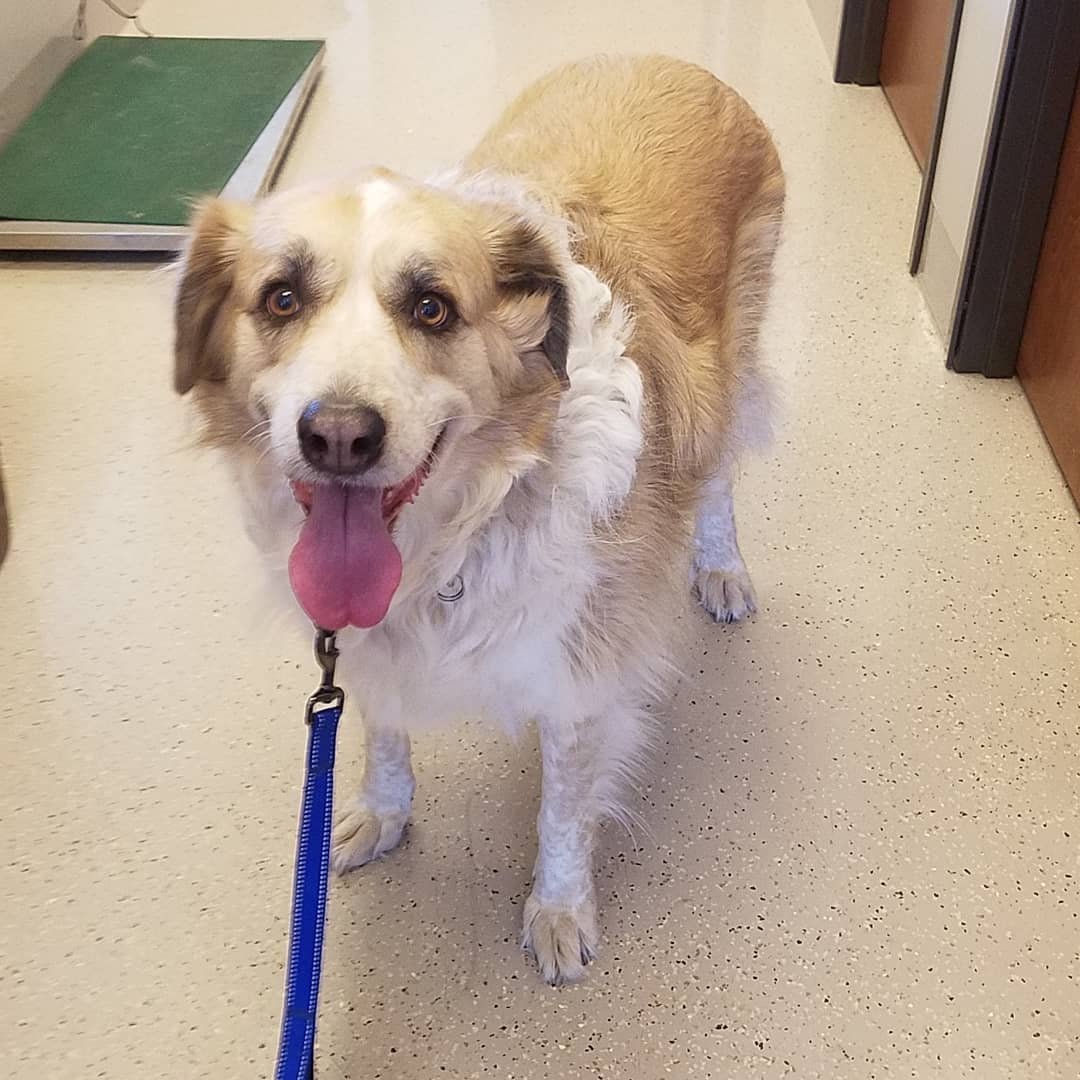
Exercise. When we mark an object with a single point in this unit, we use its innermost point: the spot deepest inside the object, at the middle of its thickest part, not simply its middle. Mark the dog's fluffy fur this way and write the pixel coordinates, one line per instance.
(608, 248)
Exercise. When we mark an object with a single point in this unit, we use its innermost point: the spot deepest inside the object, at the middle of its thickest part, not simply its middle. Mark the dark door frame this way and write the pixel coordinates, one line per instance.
(1035, 96)
(858, 51)
(1036, 86)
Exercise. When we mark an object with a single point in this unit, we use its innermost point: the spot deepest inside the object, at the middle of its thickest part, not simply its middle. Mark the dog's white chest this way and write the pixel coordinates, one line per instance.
(486, 642)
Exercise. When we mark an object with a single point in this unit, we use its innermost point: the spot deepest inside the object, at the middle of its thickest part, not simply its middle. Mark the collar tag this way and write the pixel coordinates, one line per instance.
(452, 591)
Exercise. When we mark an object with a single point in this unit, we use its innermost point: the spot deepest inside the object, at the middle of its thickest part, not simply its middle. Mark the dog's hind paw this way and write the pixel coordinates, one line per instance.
(360, 835)
(562, 940)
(727, 595)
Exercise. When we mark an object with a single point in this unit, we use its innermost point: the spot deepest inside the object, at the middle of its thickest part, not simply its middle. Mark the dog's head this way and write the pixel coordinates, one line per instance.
(360, 341)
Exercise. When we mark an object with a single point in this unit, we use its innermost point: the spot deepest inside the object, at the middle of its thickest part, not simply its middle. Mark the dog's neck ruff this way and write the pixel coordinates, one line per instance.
(464, 527)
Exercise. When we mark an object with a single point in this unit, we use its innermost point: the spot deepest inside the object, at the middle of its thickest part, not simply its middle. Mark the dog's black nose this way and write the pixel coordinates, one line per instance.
(341, 438)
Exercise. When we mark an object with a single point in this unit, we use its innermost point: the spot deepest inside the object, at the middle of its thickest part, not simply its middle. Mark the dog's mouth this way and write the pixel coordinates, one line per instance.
(345, 567)
(393, 499)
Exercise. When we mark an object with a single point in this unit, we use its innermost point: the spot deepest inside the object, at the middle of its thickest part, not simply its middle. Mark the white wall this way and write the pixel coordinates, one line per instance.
(972, 93)
(36, 44)
(827, 16)
(967, 117)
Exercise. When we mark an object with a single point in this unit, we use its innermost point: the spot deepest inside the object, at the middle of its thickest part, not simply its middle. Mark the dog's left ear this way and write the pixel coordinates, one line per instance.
(535, 306)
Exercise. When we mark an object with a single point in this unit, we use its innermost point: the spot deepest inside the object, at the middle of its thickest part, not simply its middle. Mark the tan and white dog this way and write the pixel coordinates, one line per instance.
(489, 421)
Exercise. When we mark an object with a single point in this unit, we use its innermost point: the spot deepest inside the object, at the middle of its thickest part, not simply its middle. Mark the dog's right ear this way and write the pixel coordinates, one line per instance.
(206, 280)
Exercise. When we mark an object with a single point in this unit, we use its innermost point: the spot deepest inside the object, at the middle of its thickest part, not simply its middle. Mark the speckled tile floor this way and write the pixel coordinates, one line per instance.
(862, 858)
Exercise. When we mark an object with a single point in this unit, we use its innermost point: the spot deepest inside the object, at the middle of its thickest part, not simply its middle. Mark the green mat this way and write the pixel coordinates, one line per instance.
(137, 127)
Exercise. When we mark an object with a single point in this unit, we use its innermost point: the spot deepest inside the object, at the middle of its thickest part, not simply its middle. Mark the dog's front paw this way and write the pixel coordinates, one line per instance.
(726, 595)
(563, 940)
(361, 834)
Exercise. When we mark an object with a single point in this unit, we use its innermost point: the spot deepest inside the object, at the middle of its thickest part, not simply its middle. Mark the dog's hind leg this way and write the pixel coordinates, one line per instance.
(372, 823)
(721, 581)
(720, 578)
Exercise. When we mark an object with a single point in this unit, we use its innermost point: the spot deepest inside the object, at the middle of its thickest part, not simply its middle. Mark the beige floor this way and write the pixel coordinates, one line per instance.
(864, 823)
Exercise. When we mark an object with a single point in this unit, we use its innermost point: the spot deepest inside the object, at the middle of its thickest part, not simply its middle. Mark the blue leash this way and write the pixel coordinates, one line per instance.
(296, 1051)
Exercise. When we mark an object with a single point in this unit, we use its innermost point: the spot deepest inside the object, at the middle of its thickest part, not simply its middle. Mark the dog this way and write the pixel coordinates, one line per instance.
(489, 421)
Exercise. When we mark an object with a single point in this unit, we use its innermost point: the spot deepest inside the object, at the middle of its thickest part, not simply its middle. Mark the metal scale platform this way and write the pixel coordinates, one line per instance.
(137, 129)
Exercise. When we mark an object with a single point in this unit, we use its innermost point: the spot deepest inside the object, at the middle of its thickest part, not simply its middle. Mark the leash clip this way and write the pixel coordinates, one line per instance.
(328, 694)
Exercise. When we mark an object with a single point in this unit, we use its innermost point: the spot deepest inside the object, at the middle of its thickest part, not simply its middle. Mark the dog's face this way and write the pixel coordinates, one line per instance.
(360, 340)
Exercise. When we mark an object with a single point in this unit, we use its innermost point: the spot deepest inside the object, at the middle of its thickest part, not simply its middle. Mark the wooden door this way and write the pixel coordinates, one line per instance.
(913, 66)
(1049, 364)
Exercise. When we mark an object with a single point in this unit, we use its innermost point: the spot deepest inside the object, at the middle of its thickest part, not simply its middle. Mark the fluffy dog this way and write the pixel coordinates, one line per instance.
(489, 421)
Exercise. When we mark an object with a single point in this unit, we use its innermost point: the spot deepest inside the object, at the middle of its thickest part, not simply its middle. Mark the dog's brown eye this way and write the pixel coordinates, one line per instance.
(431, 311)
(282, 301)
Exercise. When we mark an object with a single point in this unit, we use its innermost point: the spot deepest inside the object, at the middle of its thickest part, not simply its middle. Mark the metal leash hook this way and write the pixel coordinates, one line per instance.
(326, 654)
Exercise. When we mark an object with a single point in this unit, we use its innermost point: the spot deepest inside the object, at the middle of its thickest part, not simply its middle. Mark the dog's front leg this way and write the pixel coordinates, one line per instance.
(374, 820)
(560, 916)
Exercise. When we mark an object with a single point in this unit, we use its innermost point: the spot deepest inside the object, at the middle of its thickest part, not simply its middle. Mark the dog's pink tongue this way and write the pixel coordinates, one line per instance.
(345, 568)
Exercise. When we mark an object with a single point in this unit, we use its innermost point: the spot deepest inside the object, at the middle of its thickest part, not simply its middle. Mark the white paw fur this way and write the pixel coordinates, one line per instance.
(727, 595)
(563, 941)
(361, 834)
